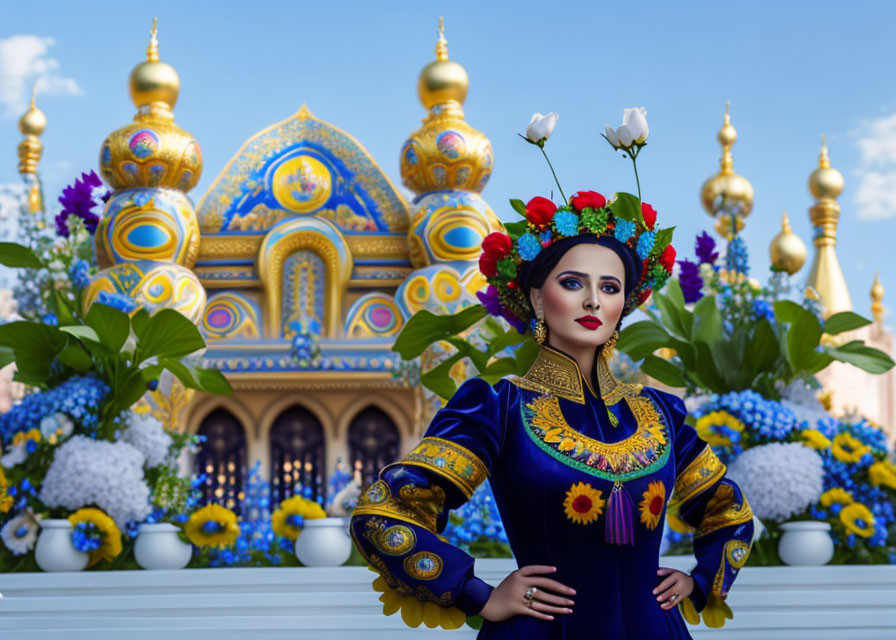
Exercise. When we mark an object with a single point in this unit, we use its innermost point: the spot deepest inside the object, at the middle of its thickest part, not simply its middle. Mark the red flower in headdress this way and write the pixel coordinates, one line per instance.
(667, 258)
(495, 246)
(649, 215)
(540, 211)
(584, 199)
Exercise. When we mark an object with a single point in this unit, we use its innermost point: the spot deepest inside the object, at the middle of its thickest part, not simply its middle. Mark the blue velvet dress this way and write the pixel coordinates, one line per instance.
(582, 480)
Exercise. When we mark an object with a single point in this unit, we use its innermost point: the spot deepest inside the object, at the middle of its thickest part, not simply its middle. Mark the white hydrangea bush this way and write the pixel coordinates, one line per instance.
(147, 434)
(108, 475)
(779, 480)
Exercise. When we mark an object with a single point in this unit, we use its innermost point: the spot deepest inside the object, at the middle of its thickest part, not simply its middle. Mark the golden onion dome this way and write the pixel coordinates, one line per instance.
(34, 121)
(727, 190)
(787, 250)
(152, 151)
(825, 181)
(442, 80)
(446, 152)
(153, 81)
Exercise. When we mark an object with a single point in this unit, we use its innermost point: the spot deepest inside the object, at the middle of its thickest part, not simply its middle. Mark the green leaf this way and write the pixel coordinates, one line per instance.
(167, 334)
(641, 339)
(708, 323)
(499, 368)
(844, 321)
(139, 321)
(16, 255)
(111, 325)
(425, 328)
(677, 320)
(516, 229)
(763, 350)
(76, 357)
(707, 371)
(7, 356)
(477, 357)
(438, 379)
(674, 293)
(81, 331)
(627, 207)
(664, 371)
(519, 206)
(862, 356)
(35, 346)
(213, 381)
(663, 240)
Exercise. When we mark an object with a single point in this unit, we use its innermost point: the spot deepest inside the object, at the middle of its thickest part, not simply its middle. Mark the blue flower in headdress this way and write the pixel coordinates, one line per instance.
(566, 223)
(528, 246)
(645, 244)
(625, 229)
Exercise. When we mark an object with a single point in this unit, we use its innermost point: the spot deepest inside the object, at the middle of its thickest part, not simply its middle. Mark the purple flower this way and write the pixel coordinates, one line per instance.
(77, 200)
(704, 248)
(690, 281)
(490, 301)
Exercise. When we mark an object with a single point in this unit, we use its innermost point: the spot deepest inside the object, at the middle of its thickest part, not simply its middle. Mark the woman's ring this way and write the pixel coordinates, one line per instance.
(530, 593)
(672, 597)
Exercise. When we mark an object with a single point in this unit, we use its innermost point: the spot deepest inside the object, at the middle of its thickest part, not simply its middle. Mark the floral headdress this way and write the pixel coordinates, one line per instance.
(624, 217)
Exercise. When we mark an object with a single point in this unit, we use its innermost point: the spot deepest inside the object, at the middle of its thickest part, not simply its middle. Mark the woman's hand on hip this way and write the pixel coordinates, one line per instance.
(547, 596)
(676, 587)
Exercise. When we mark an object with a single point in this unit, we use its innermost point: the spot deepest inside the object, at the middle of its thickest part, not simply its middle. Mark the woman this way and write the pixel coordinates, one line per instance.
(582, 466)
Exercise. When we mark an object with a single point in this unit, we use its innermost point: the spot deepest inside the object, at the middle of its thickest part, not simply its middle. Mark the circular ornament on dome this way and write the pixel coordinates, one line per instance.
(106, 155)
(410, 153)
(143, 143)
(302, 184)
(380, 318)
(451, 144)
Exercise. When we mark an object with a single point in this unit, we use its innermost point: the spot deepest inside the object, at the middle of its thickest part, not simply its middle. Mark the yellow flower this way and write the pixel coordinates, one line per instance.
(836, 496)
(288, 520)
(110, 546)
(24, 436)
(815, 439)
(706, 423)
(583, 503)
(652, 504)
(858, 519)
(883, 473)
(414, 611)
(6, 500)
(847, 448)
(212, 526)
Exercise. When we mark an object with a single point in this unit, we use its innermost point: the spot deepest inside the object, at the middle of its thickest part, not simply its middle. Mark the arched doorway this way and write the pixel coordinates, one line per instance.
(297, 455)
(222, 458)
(372, 443)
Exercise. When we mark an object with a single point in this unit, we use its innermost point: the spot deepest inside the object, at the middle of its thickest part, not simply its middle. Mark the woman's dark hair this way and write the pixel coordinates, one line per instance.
(533, 274)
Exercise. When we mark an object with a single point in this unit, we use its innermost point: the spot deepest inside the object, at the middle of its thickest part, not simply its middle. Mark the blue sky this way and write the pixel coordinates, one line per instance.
(791, 71)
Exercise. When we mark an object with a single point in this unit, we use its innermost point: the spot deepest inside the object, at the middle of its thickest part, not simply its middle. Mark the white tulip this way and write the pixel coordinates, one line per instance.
(612, 137)
(541, 126)
(636, 121)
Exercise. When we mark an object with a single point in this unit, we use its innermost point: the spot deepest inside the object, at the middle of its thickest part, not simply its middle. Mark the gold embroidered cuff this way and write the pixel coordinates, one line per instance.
(702, 473)
(449, 460)
(378, 500)
(723, 511)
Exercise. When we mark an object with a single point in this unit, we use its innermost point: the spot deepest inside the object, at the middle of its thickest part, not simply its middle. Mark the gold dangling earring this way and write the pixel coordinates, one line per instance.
(609, 345)
(541, 331)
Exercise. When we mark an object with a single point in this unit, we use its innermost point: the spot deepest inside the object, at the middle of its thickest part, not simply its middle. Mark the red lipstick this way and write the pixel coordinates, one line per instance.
(589, 322)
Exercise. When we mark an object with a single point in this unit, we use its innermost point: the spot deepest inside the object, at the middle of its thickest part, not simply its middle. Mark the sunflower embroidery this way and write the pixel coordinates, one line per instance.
(652, 504)
(583, 503)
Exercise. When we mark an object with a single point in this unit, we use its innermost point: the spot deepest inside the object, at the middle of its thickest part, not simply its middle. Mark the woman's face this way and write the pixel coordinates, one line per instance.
(582, 298)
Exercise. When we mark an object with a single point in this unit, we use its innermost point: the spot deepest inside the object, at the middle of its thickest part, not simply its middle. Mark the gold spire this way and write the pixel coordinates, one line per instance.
(152, 151)
(154, 84)
(826, 276)
(877, 299)
(32, 125)
(442, 80)
(727, 193)
(446, 152)
(787, 250)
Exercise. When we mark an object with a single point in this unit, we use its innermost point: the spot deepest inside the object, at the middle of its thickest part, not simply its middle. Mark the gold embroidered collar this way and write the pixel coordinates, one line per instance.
(557, 373)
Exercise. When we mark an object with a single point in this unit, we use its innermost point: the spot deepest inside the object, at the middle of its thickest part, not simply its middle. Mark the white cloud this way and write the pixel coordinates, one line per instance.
(876, 193)
(23, 60)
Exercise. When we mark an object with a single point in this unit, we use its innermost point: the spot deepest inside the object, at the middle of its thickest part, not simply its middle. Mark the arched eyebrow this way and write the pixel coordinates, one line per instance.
(586, 276)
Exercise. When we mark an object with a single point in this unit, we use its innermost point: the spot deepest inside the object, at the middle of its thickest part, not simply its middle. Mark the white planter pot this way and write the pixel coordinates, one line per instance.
(159, 547)
(806, 543)
(54, 550)
(324, 542)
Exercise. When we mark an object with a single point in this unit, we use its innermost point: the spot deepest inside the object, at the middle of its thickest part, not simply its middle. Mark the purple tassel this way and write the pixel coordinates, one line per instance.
(620, 528)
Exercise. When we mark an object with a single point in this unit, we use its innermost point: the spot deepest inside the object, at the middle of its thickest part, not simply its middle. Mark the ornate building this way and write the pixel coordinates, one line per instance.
(301, 264)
